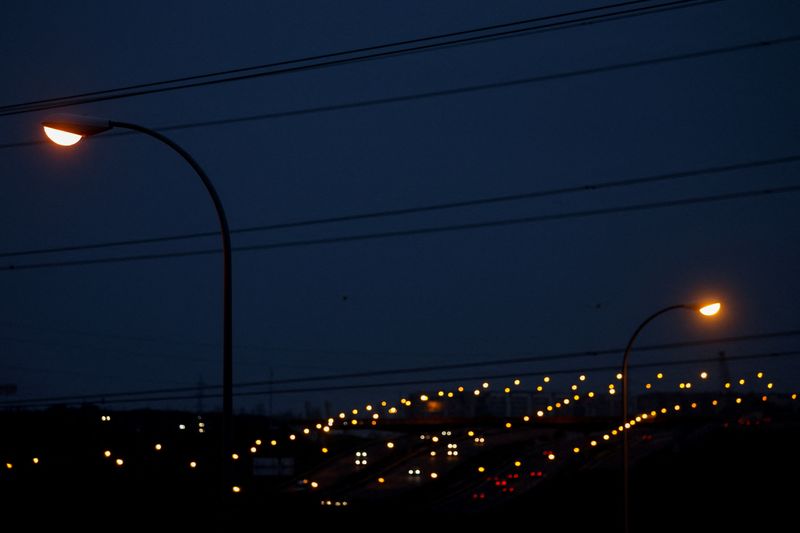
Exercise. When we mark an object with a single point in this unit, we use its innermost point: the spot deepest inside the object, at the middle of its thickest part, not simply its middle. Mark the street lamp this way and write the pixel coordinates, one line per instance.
(705, 310)
(67, 130)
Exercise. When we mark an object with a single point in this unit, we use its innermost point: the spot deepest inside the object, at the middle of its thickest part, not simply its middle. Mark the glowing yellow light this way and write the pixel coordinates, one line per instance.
(551, 456)
(422, 398)
(291, 437)
(652, 413)
(581, 378)
(677, 407)
(546, 379)
(354, 422)
(549, 407)
(235, 456)
(450, 394)
(470, 433)
(694, 405)
(710, 309)
(485, 385)
(576, 397)
(273, 442)
(619, 375)
(381, 480)
(368, 407)
(120, 462)
(435, 438)
(612, 391)
(638, 419)
(258, 442)
(507, 390)
(738, 400)
(526, 418)
(704, 375)
(517, 382)
(576, 450)
(433, 453)
(727, 385)
(647, 386)
(794, 396)
(663, 410)
(157, 447)
(769, 385)
(574, 387)
(392, 410)
(107, 453)
(306, 431)
(508, 425)
(434, 475)
(460, 389)
(590, 395)
(518, 463)
(741, 381)
(682, 385)
(558, 405)
(606, 437)
(314, 484)
(476, 392)
(481, 469)
(688, 385)
(714, 402)
(633, 422)
(342, 415)
(354, 411)
(539, 413)
(593, 443)
(324, 450)
(390, 445)
(61, 137)
(627, 425)
(236, 489)
(659, 376)
(645, 416)
(9, 466)
(253, 449)
(383, 403)
(566, 401)
(614, 432)
(760, 375)
(539, 388)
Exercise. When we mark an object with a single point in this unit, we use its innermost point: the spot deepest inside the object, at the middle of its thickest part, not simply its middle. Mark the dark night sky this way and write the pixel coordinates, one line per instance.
(533, 288)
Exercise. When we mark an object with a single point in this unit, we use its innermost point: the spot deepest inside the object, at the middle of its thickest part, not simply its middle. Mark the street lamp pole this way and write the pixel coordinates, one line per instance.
(67, 130)
(707, 310)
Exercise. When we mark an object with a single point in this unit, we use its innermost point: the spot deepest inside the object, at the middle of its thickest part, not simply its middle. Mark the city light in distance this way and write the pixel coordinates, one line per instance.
(236, 489)
(158, 447)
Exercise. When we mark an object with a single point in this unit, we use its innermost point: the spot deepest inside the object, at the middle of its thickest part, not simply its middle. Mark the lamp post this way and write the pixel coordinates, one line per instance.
(705, 310)
(67, 130)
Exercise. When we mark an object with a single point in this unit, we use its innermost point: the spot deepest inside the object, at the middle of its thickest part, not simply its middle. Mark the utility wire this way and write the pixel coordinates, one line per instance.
(464, 37)
(603, 352)
(374, 385)
(460, 90)
(586, 187)
(429, 230)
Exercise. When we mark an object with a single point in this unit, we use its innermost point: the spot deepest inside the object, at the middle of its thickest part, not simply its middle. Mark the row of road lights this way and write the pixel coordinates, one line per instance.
(68, 130)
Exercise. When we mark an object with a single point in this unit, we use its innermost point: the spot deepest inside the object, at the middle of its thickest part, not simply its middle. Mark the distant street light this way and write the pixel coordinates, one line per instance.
(705, 310)
(67, 130)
